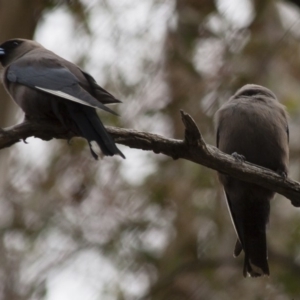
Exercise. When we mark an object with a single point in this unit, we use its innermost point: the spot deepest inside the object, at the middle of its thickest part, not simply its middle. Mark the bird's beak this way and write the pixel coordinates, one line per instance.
(2, 52)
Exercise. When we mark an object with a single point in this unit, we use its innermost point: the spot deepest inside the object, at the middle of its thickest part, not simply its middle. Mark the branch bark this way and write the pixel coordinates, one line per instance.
(192, 148)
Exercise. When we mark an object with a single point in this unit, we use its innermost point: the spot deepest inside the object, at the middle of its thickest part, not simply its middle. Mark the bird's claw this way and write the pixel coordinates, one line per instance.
(282, 174)
(238, 157)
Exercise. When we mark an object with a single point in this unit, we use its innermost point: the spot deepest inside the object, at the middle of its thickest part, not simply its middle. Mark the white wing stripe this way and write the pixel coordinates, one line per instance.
(231, 217)
(65, 96)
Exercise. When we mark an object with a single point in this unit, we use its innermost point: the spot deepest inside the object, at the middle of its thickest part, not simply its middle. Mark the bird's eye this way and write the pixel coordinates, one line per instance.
(15, 43)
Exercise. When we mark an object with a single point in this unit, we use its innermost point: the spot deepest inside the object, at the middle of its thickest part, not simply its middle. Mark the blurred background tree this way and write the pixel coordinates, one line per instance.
(147, 227)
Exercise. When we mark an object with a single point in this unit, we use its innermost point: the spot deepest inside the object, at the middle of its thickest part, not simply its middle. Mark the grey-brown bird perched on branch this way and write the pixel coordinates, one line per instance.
(46, 86)
(253, 126)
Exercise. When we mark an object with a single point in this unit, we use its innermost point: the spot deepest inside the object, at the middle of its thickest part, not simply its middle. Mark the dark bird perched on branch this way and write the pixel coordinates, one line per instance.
(46, 86)
(252, 126)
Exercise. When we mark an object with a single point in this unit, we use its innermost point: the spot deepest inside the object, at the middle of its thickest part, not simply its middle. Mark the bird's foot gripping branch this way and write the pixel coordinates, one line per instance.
(192, 148)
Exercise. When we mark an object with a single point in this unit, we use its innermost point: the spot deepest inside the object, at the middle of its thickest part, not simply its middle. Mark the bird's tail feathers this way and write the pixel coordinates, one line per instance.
(256, 256)
(106, 139)
(91, 128)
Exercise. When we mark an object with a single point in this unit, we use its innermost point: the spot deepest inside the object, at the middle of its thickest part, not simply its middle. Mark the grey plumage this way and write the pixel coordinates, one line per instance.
(253, 124)
(46, 86)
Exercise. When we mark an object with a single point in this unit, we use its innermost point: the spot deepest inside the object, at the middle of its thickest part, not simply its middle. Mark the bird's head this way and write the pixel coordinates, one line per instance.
(254, 90)
(15, 48)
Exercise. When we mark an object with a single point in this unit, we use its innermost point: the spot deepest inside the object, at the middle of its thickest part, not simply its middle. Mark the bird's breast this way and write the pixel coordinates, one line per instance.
(258, 133)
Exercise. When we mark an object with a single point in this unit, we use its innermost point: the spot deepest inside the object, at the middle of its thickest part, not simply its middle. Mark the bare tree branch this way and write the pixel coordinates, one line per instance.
(192, 148)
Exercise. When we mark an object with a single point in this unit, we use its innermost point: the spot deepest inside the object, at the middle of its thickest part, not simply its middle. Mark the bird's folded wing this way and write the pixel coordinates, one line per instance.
(98, 92)
(58, 81)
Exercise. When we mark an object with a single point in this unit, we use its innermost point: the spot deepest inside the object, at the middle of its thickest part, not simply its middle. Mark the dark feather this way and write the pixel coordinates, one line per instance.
(98, 92)
(92, 129)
